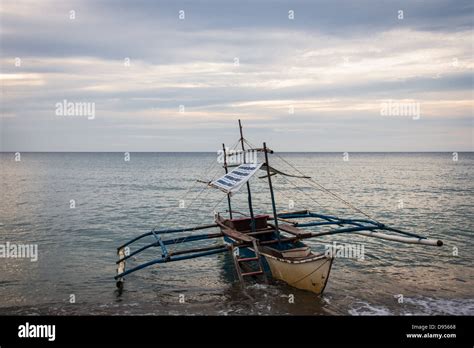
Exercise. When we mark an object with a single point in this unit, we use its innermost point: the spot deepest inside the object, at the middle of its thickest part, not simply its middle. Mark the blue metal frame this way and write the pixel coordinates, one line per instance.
(167, 242)
(176, 230)
(170, 259)
(160, 242)
(347, 226)
(362, 224)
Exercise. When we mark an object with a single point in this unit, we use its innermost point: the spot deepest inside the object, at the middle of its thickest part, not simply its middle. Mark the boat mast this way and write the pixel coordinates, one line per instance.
(226, 171)
(252, 221)
(275, 216)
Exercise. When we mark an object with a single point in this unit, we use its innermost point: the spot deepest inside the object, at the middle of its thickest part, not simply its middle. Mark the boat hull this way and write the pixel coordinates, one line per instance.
(310, 274)
(290, 261)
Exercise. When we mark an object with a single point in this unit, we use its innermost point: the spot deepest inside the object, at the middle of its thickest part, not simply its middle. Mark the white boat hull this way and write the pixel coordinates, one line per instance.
(309, 274)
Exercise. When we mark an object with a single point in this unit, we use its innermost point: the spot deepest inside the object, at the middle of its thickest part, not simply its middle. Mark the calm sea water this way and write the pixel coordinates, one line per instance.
(115, 200)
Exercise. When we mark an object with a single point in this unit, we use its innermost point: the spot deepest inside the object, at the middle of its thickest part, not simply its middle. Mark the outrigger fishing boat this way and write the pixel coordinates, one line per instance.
(268, 244)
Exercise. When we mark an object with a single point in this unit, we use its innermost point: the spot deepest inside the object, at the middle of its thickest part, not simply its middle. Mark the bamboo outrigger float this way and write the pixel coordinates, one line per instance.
(267, 244)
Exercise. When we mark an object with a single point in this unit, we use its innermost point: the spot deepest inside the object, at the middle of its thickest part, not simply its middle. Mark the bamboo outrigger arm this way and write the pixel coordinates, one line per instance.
(176, 230)
(424, 241)
(167, 256)
(365, 227)
(215, 250)
(170, 242)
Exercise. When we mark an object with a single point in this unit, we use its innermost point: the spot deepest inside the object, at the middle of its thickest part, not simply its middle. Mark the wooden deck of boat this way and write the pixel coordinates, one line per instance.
(247, 236)
(292, 230)
(239, 236)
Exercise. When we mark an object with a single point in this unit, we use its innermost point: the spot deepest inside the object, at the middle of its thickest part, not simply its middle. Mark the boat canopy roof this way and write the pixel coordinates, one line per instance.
(235, 179)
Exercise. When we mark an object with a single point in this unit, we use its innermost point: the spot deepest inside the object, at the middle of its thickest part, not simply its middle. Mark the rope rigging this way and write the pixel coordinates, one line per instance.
(212, 168)
(317, 185)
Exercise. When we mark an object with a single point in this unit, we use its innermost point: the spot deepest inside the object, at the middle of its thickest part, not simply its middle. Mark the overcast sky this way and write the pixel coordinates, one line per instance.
(317, 82)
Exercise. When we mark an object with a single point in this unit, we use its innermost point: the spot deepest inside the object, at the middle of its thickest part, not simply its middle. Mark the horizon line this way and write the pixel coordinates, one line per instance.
(430, 151)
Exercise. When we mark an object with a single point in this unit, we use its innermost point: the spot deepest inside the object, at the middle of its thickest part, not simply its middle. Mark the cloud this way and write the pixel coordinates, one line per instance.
(333, 65)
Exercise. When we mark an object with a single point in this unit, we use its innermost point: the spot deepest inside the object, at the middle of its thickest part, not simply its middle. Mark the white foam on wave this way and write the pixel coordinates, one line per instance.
(434, 306)
(258, 286)
(417, 306)
(365, 308)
